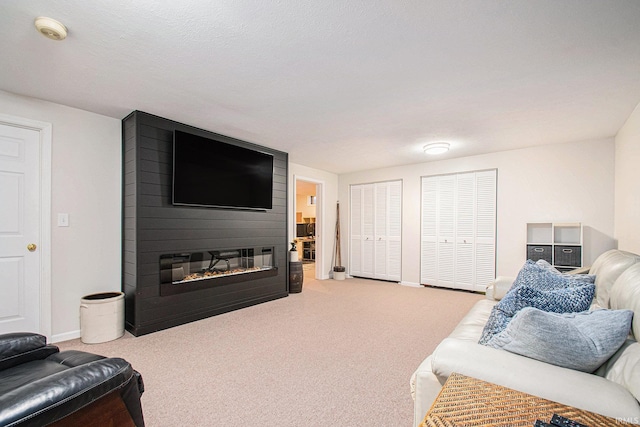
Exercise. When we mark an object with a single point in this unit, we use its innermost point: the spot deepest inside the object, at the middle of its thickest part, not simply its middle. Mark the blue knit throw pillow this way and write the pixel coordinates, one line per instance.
(544, 276)
(587, 278)
(543, 289)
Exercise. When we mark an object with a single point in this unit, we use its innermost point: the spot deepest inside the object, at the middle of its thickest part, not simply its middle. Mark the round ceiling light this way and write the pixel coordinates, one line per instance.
(51, 28)
(436, 148)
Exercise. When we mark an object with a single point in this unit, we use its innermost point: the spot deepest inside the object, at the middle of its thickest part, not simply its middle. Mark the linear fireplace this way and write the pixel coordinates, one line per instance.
(185, 272)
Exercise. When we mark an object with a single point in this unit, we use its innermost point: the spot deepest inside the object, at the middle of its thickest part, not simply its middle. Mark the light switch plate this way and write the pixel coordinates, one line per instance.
(63, 220)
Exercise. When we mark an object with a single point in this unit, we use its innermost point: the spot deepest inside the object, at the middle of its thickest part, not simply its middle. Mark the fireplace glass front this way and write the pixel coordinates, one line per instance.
(196, 270)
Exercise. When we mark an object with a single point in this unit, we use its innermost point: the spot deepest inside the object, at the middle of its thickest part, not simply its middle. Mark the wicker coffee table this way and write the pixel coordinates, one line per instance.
(466, 401)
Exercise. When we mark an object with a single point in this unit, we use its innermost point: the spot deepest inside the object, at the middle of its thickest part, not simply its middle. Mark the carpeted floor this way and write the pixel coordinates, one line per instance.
(338, 354)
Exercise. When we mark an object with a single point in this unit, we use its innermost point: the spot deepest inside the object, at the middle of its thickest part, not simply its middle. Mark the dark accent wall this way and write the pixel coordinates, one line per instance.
(152, 227)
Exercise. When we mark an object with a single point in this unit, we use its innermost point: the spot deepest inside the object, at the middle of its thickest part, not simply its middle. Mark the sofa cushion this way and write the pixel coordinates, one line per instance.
(607, 268)
(624, 367)
(567, 386)
(625, 294)
(471, 326)
(581, 341)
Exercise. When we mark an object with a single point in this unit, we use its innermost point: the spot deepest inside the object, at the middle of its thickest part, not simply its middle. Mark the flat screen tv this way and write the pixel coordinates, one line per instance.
(209, 172)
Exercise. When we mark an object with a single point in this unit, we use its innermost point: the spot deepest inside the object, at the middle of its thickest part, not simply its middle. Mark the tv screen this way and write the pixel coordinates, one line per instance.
(208, 172)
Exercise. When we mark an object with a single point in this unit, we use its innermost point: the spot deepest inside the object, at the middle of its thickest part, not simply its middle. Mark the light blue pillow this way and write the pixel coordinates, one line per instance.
(581, 341)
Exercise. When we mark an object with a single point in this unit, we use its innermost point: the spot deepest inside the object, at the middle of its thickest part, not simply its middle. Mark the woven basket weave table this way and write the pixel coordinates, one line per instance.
(466, 401)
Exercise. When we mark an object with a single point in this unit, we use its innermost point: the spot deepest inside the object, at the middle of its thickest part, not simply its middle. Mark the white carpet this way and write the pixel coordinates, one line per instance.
(340, 353)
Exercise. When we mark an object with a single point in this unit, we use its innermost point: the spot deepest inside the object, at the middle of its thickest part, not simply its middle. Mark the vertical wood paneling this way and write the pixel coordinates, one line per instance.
(152, 226)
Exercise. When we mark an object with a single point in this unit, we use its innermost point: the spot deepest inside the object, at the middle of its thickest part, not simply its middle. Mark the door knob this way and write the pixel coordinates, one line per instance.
(31, 247)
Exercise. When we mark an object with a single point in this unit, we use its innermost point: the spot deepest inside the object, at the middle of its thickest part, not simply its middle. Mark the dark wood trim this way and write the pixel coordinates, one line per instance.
(108, 411)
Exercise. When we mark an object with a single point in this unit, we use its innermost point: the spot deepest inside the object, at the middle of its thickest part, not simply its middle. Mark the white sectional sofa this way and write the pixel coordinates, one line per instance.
(612, 390)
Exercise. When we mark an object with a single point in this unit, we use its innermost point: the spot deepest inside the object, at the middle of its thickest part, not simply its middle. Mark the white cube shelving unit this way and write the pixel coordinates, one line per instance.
(559, 243)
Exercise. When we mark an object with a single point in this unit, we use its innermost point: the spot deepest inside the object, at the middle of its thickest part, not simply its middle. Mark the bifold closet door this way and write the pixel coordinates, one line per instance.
(394, 231)
(361, 230)
(458, 230)
(485, 231)
(375, 230)
(355, 231)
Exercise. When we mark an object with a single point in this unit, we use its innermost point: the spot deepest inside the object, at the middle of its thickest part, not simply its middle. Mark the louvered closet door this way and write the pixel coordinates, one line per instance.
(355, 231)
(464, 231)
(429, 232)
(446, 230)
(376, 230)
(380, 237)
(485, 247)
(394, 232)
(368, 218)
(458, 230)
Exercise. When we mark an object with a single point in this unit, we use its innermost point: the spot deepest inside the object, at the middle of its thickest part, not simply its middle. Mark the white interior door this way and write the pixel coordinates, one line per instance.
(20, 196)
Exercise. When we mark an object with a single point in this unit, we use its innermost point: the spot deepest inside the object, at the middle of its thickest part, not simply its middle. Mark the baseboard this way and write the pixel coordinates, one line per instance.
(411, 284)
(65, 336)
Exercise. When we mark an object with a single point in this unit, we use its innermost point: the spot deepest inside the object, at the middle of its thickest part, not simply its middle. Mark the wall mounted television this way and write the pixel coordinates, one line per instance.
(209, 172)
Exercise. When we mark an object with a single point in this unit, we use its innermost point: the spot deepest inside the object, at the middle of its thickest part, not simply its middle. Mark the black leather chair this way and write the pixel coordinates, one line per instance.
(40, 386)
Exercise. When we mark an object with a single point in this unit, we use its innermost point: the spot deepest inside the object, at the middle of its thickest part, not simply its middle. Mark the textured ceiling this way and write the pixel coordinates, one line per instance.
(341, 85)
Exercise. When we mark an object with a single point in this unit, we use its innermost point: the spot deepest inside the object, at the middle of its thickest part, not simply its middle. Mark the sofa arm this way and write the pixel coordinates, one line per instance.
(52, 398)
(22, 347)
(574, 388)
(499, 287)
(73, 358)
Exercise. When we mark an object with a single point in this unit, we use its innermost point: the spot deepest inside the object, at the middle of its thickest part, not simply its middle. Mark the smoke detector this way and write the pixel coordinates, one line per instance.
(51, 28)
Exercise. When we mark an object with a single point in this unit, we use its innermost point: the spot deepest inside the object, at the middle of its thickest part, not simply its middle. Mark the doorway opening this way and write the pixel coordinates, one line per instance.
(308, 225)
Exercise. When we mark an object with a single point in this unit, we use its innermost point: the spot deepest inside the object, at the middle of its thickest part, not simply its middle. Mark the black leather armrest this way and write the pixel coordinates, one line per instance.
(22, 347)
(72, 358)
(56, 396)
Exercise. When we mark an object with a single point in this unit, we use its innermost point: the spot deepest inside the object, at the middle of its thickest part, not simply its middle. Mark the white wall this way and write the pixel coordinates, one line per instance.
(302, 206)
(568, 182)
(627, 184)
(86, 184)
(572, 182)
(327, 198)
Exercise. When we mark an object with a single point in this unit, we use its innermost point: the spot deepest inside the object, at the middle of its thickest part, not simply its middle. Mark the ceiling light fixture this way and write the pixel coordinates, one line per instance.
(51, 28)
(436, 148)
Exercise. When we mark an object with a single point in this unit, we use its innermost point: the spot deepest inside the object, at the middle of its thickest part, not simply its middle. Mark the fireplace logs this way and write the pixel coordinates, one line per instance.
(192, 271)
